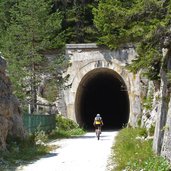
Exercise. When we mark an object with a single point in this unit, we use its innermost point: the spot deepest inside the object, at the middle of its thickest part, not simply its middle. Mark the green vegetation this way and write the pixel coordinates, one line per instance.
(151, 130)
(55, 81)
(50, 90)
(78, 20)
(148, 102)
(22, 151)
(133, 152)
(66, 128)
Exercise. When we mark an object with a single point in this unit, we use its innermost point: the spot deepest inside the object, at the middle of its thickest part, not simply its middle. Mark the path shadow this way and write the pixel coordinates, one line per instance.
(83, 137)
(25, 163)
(50, 155)
(93, 135)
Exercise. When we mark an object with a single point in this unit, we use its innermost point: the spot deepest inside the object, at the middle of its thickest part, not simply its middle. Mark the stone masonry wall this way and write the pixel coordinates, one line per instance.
(87, 57)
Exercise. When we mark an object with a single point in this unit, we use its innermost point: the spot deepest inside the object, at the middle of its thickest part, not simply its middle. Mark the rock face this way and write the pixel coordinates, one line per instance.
(149, 106)
(166, 139)
(162, 136)
(158, 116)
(10, 113)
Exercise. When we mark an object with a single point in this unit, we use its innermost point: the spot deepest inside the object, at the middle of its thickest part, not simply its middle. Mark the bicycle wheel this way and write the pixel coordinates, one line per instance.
(98, 133)
(98, 136)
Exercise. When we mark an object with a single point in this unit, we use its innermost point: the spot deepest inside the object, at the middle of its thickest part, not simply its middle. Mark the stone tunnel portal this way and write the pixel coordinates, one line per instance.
(102, 91)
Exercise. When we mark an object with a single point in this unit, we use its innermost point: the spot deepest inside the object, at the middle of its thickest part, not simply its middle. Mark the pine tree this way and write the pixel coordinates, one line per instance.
(32, 28)
(143, 23)
(78, 20)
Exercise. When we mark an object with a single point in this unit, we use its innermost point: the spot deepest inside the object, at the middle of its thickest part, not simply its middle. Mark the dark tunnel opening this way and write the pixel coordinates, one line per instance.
(102, 91)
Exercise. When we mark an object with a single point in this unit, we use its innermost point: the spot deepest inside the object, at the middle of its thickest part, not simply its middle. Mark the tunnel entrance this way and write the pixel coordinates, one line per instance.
(102, 91)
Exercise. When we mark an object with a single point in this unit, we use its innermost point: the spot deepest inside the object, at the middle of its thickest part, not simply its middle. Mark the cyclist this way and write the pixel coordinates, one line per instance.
(98, 122)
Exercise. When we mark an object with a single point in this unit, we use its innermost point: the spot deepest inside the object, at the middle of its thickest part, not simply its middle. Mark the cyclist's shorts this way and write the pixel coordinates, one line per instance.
(97, 125)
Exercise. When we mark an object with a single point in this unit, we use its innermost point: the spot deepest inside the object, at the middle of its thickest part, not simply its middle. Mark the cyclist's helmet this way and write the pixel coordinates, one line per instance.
(98, 115)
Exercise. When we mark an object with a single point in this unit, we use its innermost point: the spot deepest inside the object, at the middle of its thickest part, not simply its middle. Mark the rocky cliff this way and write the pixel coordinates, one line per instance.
(162, 136)
(156, 114)
(10, 113)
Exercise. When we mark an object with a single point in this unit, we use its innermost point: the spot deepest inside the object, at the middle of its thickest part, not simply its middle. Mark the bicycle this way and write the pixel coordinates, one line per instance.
(98, 132)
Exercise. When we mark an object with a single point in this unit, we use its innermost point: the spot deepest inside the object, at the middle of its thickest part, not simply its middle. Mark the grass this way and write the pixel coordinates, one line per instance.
(60, 133)
(135, 154)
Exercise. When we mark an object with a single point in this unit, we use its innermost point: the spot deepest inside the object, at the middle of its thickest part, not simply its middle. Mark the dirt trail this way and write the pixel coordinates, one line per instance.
(83, 153)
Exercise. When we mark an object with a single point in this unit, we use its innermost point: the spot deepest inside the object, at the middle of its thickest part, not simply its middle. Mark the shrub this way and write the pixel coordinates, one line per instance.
(66, 128)
(151, 130)
(65, 123)
(40, 137)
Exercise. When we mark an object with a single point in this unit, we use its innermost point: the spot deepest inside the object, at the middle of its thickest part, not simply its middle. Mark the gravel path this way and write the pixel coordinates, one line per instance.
(83, 153)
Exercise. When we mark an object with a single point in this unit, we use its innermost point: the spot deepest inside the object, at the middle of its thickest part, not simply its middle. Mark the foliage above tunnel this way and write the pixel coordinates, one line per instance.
(142, 23)
(78, 20)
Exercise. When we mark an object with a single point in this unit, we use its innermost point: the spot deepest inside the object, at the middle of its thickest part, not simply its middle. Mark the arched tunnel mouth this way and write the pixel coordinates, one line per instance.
(102, 91)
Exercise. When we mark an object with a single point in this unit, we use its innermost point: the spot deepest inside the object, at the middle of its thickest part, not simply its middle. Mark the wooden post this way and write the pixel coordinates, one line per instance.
(37, 108)
(29, 108)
